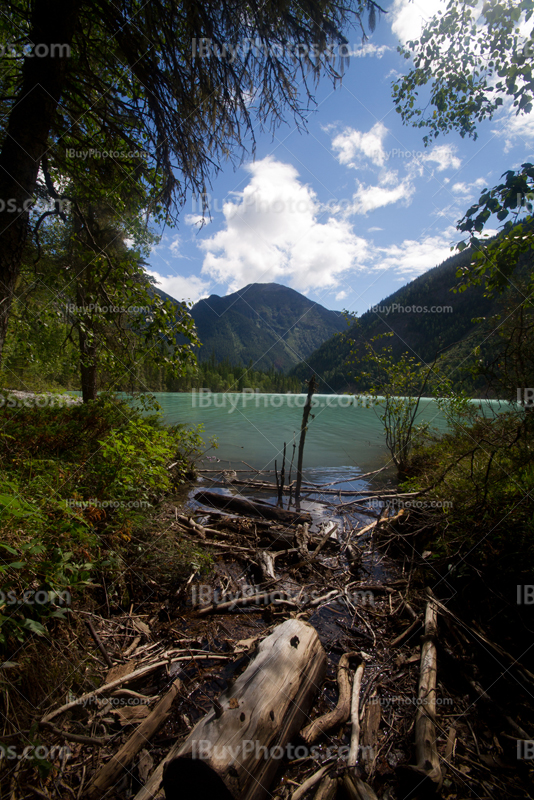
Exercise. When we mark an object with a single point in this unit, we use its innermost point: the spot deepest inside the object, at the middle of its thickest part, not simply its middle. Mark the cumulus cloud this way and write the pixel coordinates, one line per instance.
(274, 232)
(352, 144)
(409, 16)
(411, 258)
(444, 155)
(355, 148)
(182, 287)
(369, 198)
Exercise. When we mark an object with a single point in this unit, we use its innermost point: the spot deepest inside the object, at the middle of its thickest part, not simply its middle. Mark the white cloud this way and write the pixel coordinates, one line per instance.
(370, 49)
(352, 143)
(174, 246)
(182, 287)
(412, 257)
(444, 155)
(273, 233)
(197, 220)
(369, 198)
(516, 130)
(408, 16)
(465, 190)
(341, 295)
(374, 228)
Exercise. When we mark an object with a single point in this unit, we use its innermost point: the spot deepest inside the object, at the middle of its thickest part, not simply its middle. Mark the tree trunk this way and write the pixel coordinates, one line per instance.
(87, 367)
(303, 429)
(26, 139)
(234, 752)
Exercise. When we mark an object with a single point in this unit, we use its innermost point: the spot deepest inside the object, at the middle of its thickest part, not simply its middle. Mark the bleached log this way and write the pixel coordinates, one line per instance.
(341, 712)
(428, 764)
(355, 716)
(234, 752)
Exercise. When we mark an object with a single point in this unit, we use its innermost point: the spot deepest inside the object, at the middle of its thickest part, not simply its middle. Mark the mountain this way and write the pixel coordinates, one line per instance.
(422, 334)
(270, 324)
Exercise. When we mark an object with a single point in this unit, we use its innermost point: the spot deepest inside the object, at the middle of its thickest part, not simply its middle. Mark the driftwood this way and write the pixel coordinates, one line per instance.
(86, 698)
(341, 712)
(309, 783)
(356, 789)
(427, 768)
(327, 788)
(355, 717)
(110, 772)
(234, 752)
(266, 564)
(249, 507)
(301, 540)
(353, 784)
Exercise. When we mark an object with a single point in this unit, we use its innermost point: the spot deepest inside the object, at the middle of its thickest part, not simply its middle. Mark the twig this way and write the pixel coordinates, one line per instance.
(98, 643)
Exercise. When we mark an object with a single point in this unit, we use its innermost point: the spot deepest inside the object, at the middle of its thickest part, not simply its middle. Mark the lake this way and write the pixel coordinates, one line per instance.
(253, 428)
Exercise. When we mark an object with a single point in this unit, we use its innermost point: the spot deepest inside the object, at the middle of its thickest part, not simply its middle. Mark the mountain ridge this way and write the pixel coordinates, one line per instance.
(268, 323)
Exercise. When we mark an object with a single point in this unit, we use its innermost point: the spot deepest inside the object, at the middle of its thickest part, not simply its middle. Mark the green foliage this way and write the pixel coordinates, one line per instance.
(471, 59)
(74, 483)
(481, 477)
(396, 390)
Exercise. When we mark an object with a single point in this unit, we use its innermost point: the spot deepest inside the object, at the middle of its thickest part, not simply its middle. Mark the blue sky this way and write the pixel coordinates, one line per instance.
(351, 210)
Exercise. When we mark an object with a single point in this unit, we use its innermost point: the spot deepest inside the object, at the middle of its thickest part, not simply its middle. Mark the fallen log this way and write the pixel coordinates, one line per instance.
(427, 769)
(234, 752)
(249, 507)
(109, 774)
(355, 717)
(341, 712)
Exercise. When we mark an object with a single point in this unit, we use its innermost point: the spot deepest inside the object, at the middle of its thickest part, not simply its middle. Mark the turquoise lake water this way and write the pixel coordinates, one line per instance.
(253, 428)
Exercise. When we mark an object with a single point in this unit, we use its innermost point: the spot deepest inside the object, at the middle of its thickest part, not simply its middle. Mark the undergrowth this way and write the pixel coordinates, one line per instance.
(76, 484)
